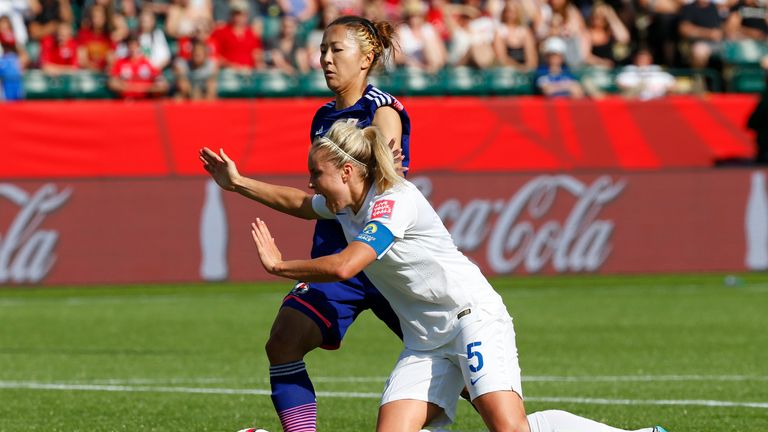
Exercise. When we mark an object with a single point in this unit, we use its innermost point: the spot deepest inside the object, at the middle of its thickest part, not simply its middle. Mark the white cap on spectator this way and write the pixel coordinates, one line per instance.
(554, 45)
(239, 5)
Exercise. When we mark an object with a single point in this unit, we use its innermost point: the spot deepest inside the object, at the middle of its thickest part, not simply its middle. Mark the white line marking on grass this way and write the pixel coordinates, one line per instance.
(382, 379)
(358, 395)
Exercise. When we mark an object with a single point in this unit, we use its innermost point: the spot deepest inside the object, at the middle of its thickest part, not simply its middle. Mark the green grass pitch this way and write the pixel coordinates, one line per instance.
(686, 352)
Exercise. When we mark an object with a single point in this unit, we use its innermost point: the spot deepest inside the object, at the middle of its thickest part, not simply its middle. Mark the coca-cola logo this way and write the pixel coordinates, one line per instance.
(27, 250)
(521, 232)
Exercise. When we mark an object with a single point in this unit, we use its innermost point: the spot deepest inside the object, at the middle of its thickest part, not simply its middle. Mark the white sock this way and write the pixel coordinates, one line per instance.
(562, 421)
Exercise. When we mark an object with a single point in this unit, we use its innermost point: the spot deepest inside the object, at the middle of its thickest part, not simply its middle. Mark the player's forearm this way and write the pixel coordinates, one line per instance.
(284, 199)
(323, 269)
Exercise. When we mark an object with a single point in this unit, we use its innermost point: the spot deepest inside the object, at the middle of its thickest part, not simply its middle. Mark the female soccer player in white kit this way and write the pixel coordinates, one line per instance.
(456, 329)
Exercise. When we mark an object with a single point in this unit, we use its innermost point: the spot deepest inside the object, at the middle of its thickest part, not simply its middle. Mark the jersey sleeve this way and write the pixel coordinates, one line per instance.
(319, 206)
(394, 211)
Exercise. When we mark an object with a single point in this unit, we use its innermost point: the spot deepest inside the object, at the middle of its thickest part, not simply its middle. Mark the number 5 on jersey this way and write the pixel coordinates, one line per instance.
(475, 353)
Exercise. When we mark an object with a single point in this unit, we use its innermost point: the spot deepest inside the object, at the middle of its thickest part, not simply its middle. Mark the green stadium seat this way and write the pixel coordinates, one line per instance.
(600, 79)
(273, 83)
(744, 52)
(415, 82)
(508, 81)
(748, 80)
(463, 80)
(234, 85)
(38, 85)
(88, 85)
(313, 84)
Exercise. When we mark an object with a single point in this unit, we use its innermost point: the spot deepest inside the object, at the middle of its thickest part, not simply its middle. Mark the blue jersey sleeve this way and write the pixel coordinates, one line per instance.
(377, 236)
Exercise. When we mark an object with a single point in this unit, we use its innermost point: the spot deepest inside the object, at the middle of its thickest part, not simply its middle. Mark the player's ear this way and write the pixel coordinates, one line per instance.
(367, 61)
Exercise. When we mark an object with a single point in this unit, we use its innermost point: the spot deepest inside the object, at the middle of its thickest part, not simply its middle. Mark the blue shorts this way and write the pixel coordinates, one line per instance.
(335, 305)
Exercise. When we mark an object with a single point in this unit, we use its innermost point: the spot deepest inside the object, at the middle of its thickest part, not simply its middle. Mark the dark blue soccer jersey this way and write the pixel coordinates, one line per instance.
(362, 113)
(329, 238)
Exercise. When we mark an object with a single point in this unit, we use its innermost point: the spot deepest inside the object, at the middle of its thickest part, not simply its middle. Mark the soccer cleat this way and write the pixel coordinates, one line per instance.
(256, 430)
(659, 429)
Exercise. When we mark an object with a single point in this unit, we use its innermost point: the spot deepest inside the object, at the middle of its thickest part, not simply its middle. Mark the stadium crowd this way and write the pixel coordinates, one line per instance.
(178, 47)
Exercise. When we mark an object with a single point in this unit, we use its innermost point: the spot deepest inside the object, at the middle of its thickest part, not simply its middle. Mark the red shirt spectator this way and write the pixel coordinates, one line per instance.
(186, 44)
(236, 44)
(97, 47)
(58, 53)
(134, 76)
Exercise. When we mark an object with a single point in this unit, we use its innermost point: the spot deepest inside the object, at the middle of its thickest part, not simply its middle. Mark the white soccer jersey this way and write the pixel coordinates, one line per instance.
(425, 278)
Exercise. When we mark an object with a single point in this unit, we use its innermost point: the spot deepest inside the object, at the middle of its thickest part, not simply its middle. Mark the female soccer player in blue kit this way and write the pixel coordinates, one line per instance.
(318, 314)
(456, 329)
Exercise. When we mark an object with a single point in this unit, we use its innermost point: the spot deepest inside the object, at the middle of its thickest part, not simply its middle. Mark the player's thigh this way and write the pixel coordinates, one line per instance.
(487, 356)
(429, 377)
(293, 335)
(502, 411)
(406, 415)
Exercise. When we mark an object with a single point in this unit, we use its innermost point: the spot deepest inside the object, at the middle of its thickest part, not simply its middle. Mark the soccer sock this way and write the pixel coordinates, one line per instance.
(294, 397)
(562, 421)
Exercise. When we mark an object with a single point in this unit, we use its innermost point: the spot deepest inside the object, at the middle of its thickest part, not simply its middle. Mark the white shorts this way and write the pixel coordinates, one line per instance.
(482, 357)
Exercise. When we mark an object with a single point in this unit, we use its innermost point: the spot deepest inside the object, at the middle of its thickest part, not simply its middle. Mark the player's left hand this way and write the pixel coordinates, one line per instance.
(397, 154)
(269, 254)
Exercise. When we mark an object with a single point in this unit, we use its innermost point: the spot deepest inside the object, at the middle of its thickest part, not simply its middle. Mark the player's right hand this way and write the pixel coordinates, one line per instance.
(220, 167)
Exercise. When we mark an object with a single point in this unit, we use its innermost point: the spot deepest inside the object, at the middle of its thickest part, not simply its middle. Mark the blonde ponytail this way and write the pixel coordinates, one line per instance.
(365, 148)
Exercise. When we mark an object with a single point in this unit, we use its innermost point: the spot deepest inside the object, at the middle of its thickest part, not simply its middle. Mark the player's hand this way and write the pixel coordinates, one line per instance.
(397, 155)
(220, 167)
(269, 254)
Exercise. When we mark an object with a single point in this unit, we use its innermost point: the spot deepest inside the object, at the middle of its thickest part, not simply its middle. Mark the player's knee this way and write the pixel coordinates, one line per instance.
(509, 422)
(282, 349)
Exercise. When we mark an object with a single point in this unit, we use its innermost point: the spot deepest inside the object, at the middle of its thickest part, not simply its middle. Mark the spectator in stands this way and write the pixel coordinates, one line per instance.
(186, 44)
(196, 78)
(13, 59)
(747, 20)
(58, 53)
(701, 28)
(644, 80)
(661, 27)
(608, 38)
(94, 39)
(152, 40)
(128, 10)
(185, 17)
(238, 46)
(421, 46)
(553, 79)
(472, 34)
(288, 54)
(514, 43)
(134, 77)
(16, 10)
(47, 14)
(561, 19)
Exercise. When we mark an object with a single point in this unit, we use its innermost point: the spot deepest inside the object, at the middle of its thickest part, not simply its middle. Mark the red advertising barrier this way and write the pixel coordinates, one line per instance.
(182, 230)
(114, 139)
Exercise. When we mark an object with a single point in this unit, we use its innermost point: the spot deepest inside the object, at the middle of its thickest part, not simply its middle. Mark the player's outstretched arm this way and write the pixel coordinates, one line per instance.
(330, 268)
(285, 199)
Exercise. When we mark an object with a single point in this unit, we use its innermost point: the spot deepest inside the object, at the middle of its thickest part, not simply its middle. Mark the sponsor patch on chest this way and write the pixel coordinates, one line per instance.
(382, 209)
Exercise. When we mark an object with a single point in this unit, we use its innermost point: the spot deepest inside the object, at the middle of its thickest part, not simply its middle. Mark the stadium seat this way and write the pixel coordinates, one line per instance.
(415, 82)
(313, 84)
(38, 85)
(463, 81)
(748, 80)
(744, 52)
(234, 85)
(508, 81)
(273, 83)
(600, 79)
(87, 85)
